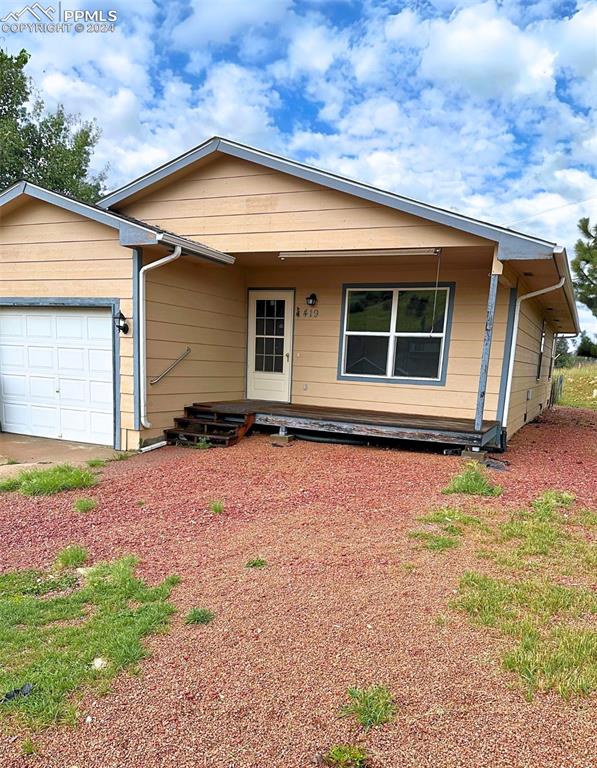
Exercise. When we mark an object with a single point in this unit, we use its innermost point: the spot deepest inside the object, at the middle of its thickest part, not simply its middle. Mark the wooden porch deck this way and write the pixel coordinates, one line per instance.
(365, 423)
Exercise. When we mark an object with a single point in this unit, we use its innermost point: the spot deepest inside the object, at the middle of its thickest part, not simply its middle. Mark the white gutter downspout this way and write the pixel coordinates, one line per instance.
(519, 301)
(143, 331)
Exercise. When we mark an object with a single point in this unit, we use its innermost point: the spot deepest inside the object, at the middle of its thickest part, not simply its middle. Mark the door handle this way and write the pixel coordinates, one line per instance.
(288, 357)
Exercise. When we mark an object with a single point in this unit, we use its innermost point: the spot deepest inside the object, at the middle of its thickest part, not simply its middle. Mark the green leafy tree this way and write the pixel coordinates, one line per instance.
(52, 149)
(586, 347)
(563, 357)
(584, 265)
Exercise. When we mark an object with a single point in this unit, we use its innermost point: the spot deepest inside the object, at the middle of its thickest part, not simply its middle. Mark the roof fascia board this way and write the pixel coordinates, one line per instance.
(162, 172)
(129, 233)
(513, 245)
(140, 235)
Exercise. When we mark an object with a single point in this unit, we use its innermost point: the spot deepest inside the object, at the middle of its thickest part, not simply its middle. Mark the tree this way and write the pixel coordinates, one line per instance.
(563, 358)
(52, 149)
(586, 347)
(584, 265)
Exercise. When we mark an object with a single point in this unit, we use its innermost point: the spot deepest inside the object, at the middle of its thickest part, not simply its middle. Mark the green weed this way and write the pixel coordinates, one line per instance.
(371, 706)
(472, 480)
(72, 556)
(345, 756)
(45, 482)
(199, 616)
(84, 505)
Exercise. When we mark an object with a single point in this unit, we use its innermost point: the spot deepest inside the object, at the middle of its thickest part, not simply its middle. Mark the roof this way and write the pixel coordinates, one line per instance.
(132, 232)
(512, 245)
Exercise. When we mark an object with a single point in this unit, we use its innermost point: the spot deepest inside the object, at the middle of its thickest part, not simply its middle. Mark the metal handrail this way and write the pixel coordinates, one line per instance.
(171, 366)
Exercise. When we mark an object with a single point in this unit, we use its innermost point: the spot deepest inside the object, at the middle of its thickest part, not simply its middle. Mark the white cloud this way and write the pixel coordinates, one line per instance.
(481, 51)
(219, 22)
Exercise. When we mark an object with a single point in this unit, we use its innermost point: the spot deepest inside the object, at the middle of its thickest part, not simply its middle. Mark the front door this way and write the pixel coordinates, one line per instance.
(269, 355)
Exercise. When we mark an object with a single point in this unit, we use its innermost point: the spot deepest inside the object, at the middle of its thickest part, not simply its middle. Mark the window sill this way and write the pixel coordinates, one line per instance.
(396, 382)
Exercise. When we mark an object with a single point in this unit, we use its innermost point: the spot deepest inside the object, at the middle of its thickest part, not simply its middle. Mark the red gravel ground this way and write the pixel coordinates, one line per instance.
(335, 606)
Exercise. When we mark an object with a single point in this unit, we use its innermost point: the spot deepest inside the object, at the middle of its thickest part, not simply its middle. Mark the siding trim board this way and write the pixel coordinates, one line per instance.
(506, 355)
(399, 382)
(111, 303)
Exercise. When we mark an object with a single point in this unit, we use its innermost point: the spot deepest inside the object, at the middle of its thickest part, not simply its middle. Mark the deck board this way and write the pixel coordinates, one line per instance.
(360, 421)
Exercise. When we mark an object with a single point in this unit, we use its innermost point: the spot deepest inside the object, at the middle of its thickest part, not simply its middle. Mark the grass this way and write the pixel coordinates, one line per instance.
(72, 556)
(202, 444)
(256, 562)
(93, 463)
(199, 616)
(28, 748)
(52, 627)
(370, 706)
(121, 455)
(11, 462)
(345, 756)
(84, 505)
(216, 507)
(579, 387)
(434, 541)
(45, 482)
(555, 642)
(472, 480)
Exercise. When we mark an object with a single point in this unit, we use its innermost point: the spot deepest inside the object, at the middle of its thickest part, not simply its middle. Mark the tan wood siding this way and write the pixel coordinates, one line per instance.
(529, 395)
(239, 206)
(47, 252)
(203, 306)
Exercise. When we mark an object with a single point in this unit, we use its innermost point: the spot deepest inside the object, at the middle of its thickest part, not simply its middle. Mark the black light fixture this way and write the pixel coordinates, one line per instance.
(121, 323)
(311, 299)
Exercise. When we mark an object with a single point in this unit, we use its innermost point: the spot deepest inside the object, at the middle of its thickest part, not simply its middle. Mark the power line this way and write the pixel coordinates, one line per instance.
(549, 210)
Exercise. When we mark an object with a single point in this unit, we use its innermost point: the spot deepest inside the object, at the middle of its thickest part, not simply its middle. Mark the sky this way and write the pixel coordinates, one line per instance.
(486, 108)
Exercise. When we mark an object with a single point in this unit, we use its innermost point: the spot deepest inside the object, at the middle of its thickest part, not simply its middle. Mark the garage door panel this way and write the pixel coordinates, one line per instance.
(40, 358)
(100, 394)
(71, 359)
(43, 388)
(73, 391)
(12, 356)
(40, 326)
(15, 417)
(12, 325)
(99, 329)
(70, 327)
(12, 385)
(44, 419)
(100, 362)
(56, 373)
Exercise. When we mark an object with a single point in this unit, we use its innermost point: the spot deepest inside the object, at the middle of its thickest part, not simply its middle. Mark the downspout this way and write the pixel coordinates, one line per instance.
(143, 331)
(519, 301)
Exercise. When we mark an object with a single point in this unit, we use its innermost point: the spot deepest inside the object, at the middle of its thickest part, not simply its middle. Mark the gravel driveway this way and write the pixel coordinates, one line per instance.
(347, 598)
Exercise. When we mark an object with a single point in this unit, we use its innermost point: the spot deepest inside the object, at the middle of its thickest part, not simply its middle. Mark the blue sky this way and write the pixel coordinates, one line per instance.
(488, 108)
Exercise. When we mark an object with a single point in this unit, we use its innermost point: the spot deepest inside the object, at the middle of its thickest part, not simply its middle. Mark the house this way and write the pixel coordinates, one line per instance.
(303, 299)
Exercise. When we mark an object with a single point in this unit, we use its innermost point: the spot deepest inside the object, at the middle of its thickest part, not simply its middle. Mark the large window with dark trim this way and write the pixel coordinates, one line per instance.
(394, 333)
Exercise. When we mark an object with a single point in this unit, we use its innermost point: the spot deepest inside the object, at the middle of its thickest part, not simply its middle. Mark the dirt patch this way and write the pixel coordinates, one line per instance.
(346, 598)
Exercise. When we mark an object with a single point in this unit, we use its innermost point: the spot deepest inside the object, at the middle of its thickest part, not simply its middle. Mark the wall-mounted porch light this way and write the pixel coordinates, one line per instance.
(121, 323)
(311, 299)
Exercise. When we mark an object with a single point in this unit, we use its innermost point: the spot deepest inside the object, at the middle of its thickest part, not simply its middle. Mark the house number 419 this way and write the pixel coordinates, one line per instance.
(307, 312)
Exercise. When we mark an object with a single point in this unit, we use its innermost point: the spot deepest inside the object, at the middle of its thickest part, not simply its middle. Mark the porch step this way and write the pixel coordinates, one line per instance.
(204, 424)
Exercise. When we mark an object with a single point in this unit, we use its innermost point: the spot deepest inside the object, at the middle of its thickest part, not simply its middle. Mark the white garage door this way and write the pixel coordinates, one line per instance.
(56, 373)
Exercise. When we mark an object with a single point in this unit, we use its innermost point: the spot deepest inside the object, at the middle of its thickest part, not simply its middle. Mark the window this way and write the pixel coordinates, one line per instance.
(541, 351)
(269, 335)
(395, 333)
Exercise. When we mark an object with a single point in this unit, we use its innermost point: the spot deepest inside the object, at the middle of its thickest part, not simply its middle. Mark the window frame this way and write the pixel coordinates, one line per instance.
(392, 334)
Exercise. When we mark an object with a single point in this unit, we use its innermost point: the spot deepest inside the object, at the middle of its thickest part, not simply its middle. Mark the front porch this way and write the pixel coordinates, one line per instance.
(339, 421)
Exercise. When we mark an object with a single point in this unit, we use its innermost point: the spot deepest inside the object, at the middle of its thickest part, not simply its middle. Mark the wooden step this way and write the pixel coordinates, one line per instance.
(206, 427)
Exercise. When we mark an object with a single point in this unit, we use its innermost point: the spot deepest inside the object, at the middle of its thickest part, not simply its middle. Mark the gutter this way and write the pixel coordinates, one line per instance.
(519, 301)
(176, 253)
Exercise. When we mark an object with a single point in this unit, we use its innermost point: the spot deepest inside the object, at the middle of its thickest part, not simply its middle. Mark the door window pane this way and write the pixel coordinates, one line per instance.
(417, 357)
(416, 311)
(369, 310)
(260, 308)
(367, 355)
(269, 335)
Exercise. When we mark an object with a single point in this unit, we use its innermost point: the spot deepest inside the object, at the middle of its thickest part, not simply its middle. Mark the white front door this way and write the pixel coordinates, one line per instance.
(56, 373)
(269, 356)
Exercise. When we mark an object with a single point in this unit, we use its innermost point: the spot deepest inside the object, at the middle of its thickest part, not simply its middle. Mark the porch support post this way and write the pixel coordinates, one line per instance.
(496, 271)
